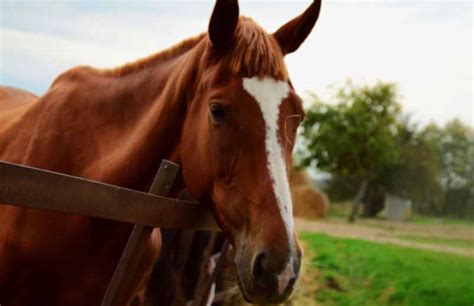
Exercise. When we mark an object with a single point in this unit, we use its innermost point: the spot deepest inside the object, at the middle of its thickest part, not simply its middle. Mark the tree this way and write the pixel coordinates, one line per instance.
(416, 176)
(370, 148)
(354, 139)
(454, 144)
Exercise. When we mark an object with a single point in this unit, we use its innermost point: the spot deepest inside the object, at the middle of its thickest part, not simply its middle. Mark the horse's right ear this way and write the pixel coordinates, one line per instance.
(223, 23)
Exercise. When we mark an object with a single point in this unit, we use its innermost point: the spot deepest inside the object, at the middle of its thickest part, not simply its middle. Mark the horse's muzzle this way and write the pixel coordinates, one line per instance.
(270, 278)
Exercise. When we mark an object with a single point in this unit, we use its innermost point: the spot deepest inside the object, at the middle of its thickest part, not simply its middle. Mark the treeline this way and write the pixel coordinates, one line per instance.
(371, 147)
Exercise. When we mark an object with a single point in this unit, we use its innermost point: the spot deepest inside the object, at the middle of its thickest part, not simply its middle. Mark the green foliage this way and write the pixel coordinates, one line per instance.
(416, 175)
(369, 273)
(455, 143)
(354, 136)
(454, 147)
(354, 139)
(362, 135)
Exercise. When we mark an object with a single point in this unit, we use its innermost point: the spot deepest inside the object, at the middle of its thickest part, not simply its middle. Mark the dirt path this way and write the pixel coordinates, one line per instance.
(387, 232)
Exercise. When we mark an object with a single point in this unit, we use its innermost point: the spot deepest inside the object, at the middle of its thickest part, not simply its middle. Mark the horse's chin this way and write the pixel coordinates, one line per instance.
(243, 289)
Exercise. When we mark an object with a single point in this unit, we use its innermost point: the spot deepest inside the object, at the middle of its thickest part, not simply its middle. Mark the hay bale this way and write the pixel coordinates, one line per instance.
(308, 201)
(299, 178)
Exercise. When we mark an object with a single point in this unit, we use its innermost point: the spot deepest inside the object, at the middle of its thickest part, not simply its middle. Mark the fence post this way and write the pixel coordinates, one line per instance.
(136, 244)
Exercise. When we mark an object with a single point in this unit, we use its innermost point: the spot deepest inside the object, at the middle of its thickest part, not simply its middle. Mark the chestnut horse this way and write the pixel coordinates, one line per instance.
(220, 104)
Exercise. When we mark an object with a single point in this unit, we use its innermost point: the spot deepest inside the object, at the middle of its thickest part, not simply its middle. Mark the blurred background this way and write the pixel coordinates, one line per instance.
(383, 179)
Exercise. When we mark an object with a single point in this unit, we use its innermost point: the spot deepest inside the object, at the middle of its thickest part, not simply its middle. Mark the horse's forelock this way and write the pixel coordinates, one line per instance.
(255, 52)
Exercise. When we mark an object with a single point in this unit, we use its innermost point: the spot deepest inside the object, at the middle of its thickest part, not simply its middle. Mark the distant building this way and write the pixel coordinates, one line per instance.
(397, 208)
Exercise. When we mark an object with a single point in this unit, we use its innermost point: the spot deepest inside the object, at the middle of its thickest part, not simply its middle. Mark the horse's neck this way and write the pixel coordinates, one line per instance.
(160, 95)
(120, 127)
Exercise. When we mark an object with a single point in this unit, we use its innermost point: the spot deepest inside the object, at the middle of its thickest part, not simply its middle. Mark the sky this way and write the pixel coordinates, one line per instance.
(424, 46)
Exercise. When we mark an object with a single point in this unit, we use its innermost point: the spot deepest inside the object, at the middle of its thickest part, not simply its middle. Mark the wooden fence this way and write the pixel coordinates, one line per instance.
(179, 220)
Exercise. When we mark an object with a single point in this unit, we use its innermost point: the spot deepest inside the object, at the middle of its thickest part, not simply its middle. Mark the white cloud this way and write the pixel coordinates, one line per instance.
(429, 58)
(422, 47)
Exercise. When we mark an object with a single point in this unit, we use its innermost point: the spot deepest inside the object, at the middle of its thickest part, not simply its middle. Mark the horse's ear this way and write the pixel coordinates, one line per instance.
(223, 22)
(291, 35)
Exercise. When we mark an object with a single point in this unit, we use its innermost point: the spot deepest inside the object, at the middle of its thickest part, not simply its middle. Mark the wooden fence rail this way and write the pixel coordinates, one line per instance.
(36, 188)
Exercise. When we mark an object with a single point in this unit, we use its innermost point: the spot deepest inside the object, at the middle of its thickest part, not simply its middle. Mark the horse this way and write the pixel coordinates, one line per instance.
(220, 104)
(12, 97)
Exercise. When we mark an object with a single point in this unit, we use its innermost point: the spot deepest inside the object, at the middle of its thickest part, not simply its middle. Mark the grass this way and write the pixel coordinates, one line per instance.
(460, 243)
(339, 210)
(420, 219)
(361, 273)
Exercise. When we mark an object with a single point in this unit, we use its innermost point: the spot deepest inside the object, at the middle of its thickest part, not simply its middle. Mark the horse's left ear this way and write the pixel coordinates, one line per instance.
(291, 35)
(223, 23)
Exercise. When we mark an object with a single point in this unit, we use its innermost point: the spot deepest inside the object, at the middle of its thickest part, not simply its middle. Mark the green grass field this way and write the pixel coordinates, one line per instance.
(361, 273)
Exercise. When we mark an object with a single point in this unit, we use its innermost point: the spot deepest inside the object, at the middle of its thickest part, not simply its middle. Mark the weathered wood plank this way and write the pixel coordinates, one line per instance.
(36, 188)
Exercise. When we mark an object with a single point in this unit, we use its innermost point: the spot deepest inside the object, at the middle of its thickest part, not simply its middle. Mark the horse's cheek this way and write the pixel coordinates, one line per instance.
(197, 159)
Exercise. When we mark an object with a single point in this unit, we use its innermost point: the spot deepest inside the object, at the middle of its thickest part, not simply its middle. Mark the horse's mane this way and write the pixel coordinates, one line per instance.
(255, 53)
(160, 56)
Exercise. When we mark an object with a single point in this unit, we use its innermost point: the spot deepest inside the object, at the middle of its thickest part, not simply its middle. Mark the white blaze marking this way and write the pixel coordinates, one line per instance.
(269, 95)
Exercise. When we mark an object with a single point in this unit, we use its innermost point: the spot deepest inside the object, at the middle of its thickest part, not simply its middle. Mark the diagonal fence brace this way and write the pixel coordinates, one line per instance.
(137, 242)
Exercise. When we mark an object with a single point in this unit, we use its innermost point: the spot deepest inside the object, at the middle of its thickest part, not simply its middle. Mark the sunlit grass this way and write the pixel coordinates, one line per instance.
(361, 273)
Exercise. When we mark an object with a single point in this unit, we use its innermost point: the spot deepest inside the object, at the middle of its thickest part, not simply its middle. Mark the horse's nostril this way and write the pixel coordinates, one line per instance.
(293, 281)
(262, 276)
(258, 269)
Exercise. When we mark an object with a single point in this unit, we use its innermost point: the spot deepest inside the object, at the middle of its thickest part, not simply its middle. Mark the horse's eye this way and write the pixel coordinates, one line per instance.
(218, 112)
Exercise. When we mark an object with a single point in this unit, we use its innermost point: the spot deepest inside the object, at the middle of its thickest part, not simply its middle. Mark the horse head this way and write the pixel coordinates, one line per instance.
(237, 140)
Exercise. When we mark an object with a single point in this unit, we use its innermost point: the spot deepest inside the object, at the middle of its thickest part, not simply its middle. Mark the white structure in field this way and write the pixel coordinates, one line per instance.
(397, 208)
